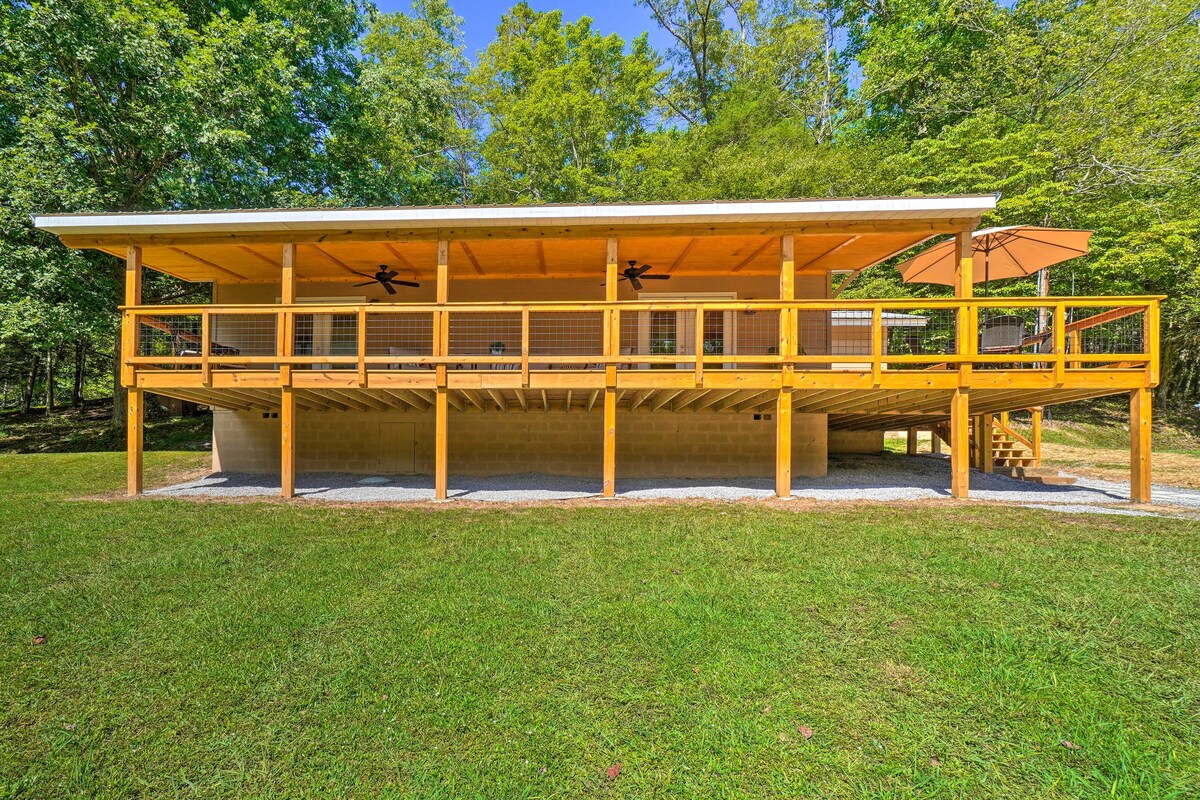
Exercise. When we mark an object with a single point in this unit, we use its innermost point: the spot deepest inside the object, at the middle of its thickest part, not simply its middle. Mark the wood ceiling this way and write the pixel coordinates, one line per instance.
(340, 261)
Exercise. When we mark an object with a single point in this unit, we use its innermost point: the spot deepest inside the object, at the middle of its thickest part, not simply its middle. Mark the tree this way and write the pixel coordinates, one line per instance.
(567, 109)
(149, 104)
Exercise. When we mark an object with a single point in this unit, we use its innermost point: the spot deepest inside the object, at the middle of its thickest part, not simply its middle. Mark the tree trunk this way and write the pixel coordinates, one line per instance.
(120, 398)
(35, 364)
(80, 361)
(49, 381)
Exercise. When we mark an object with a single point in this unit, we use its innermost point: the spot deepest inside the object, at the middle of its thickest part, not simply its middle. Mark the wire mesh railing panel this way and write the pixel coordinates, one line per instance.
(326, 335)
(485, 333)
(566, 333)
(168, 335)
(921, 332)
(660, 333)
(1116, 330)
(747, 334)
(400, 335)
(243, 335)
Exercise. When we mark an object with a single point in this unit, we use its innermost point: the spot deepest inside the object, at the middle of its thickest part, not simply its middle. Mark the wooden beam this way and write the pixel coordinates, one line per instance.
(133, 276)
(960, 446)
(831, 251)
(682, 255)
(443, 271)
(610, 271)
(845, 283)
(591, 401)
(783, 443)
(1035, 434)
(441, 412)
(403, 262)
(260, 256)
(287, 441)
(745, 262)
(208, 263)
(288, 277)
(338, 262)
(466, 248)
(964, 285)
(910, 445)
(134, 442)
(1139, 445)
(498, 398)
(610, 443)
(987, 424)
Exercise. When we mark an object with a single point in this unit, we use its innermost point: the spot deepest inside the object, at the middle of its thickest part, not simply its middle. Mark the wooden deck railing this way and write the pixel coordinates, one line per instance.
(1056, 334)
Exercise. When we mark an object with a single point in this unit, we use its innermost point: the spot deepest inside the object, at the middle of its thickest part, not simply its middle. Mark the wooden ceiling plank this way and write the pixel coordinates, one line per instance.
(208, 263)
(683, 255)
(757, 252)
(471, 257)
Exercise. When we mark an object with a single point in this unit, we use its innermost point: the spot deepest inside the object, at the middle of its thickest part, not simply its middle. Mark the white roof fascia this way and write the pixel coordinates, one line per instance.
(322, 219)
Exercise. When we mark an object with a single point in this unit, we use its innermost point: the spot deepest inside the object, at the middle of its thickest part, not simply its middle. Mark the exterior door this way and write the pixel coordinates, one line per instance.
(674, 332)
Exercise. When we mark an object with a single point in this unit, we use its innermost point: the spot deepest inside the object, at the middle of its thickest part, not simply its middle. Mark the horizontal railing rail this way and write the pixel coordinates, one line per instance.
(1049, 333)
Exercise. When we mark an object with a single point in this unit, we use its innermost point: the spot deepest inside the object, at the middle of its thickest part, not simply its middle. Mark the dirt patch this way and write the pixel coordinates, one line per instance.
(1170, 469)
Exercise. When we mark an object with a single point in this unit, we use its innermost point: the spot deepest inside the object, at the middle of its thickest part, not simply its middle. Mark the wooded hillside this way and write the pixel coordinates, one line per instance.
(1083, 114)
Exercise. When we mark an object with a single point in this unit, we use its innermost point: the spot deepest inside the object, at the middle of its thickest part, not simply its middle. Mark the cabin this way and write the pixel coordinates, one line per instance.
(705, 339)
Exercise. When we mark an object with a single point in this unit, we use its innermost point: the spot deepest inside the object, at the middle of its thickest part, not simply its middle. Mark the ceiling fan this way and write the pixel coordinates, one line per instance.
(386, 277)
(635, 275)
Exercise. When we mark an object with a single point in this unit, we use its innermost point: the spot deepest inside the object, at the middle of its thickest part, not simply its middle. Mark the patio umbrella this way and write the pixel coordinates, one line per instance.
(1011, 252)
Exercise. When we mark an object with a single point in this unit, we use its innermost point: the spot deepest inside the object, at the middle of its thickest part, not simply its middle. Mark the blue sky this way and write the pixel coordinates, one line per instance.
(480, 18)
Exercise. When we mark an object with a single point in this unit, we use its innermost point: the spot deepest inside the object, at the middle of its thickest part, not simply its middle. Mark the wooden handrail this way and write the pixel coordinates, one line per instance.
(870, 316)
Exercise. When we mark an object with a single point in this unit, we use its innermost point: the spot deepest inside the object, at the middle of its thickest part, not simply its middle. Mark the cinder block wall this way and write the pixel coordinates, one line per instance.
(855, 441)
(648, 444)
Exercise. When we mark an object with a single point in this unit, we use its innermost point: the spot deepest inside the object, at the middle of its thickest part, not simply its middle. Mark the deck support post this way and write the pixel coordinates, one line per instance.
(1035, 434)
(288, 274)
(609, 488)
(134, 441)
(1139, 445)
(610, 271)
(910, 446)
(935, 443)
(960, 448)
(987, 459)
(783, 443)
(287, 442)
(135, 399)
(440, 414)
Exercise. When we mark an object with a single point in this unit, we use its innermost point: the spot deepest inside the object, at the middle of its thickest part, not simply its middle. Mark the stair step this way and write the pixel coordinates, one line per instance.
(1047, 476)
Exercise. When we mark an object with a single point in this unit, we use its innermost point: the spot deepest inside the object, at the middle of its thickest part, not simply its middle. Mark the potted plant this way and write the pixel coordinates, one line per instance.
(497, 348)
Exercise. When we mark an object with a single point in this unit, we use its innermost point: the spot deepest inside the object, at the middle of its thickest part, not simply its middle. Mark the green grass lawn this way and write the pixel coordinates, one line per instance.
(265, 649)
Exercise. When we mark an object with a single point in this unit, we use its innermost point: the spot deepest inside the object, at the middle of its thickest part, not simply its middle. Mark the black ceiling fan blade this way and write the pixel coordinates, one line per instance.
(413, 284)
(636, 283)
(387, 285)
(656, 277)
(643, 269)
(368, 283)
(387, 275)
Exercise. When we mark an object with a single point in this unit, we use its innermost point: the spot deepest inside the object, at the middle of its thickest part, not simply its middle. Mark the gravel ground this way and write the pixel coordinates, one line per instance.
(884, 478)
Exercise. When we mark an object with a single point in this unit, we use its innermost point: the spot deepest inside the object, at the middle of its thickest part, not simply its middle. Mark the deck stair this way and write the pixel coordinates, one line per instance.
(1013, 455)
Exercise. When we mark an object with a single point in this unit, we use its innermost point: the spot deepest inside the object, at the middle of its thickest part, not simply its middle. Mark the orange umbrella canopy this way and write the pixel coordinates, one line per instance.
(1011, 252)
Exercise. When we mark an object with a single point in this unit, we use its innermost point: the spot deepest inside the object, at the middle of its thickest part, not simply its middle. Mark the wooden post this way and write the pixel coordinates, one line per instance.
(610, 271)
(964, 289)
(1139, 445)
(783, 443)
(910, 445)
(960, 463)
(287, 442)
(935, 443)
(610, 441)
(288, 275)
(135, 432)
(1035, 434)
(787, 348)
(987, 424)
(612, 348)
(441, 412)
(133, 275)
(134, 443)
(443, 271)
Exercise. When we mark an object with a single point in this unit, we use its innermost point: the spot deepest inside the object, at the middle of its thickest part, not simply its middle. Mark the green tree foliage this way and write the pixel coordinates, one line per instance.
(567, 109)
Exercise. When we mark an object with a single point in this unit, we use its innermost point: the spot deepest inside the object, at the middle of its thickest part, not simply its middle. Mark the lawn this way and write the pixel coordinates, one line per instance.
(619, 650)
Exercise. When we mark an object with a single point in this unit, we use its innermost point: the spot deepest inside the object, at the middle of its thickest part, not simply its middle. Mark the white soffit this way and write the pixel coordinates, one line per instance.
(417, 217)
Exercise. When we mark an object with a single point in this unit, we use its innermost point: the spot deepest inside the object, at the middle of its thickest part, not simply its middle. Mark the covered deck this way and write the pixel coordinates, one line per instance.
(513, 345)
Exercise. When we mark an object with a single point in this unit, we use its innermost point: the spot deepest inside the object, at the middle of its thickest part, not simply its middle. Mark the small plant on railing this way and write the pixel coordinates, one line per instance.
(713, 347)
(662, 347)
(497, 348)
